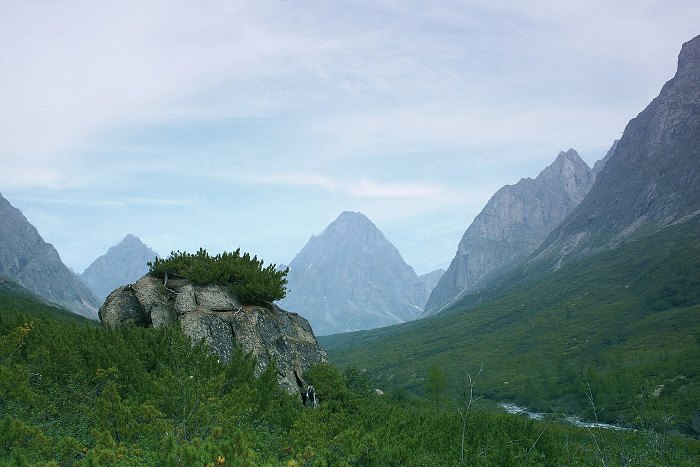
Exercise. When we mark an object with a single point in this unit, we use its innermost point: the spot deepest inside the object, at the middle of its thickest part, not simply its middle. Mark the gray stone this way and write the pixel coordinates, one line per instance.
(273, 334)
(185, 301)
(162, 315)
(122, 306)
(270, 334)
(215, 298)
(157, 302)
(209, 327)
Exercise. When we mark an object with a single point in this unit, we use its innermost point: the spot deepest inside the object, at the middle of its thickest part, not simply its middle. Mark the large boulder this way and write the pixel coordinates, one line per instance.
(212, 314)
(122, 306)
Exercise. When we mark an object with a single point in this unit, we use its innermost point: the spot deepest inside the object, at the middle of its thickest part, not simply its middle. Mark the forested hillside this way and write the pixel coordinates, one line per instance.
(74, 394)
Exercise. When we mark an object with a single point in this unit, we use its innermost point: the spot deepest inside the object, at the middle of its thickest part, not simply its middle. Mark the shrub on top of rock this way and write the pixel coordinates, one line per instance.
(245, 276)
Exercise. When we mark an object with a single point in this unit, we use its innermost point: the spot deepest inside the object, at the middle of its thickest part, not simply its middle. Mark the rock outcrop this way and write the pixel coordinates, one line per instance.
(123, 263)
(351, 277)
(34, 264)
(212, 314)
(515, 221)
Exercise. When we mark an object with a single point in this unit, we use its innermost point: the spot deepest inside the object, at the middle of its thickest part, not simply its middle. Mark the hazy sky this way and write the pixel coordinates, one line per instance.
(254, 124)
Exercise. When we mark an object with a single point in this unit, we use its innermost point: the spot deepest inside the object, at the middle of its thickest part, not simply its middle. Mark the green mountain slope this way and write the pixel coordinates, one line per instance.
(15, 299)
(622, 326)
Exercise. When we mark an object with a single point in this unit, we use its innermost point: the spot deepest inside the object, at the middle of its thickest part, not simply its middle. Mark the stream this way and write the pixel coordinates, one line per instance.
(518, 410)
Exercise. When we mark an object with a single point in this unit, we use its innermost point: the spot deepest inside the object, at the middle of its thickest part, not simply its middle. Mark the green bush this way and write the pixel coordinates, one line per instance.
(244, 275)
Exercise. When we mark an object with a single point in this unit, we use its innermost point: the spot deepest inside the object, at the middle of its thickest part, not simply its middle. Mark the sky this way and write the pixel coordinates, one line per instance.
(253, 124)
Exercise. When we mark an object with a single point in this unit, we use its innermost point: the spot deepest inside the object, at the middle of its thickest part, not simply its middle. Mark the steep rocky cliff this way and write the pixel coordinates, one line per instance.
(123, 263)
(211, 313)
(28, 260)
(351, 277)
(515, 221)
(652, 180)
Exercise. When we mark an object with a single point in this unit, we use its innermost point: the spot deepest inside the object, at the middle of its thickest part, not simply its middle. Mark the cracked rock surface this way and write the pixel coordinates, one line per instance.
(213, 315)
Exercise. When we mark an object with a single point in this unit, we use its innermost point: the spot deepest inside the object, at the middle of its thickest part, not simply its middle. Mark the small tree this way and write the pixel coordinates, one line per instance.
(244, 275)
(435, 384)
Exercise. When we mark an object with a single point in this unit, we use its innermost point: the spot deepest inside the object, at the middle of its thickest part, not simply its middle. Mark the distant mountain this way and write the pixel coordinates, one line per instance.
(431, 279)
(123, 264)
(515, 221)
(34, 264)
(351, 277)
(652, 180)
(613, 292)
(15, 298)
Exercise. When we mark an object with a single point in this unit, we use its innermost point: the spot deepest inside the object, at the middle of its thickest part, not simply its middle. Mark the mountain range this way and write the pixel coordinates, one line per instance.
(124, 263)
(604, 313)
(650, 182)
(351, 277)
(35, 265)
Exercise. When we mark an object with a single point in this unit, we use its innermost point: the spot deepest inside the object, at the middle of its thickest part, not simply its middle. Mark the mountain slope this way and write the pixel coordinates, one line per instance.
(626, 322)
(28, 260)
(515, 221)
(608, 309)
(123, 264)
(651, 181)
(15, 299)
(351, 277)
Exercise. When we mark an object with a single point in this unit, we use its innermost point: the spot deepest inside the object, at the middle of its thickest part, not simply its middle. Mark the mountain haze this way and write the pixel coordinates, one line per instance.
(123, 264)
(431, 279)
(610, 302)
(515, 221)
(34, 264)
(351, 277)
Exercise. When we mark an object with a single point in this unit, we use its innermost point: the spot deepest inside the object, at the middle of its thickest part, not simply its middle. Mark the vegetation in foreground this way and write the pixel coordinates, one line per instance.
(620, 329)
(75, 394)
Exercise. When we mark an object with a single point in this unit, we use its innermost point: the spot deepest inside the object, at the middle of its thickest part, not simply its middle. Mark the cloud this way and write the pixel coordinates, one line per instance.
(113, 203)
(362, 188)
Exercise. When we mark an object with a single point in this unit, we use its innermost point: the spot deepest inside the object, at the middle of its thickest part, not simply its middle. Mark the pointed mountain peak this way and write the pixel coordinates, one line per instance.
(124, 263)
(569, 156)
(349, 222)
(566, 163)
(350, 217)
(131, 239)
(351, 277)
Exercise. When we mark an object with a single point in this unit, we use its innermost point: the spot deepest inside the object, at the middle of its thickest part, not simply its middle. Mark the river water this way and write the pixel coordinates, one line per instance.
(518, 410)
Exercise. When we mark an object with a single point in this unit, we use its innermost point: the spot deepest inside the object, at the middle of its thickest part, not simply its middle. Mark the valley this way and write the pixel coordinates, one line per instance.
(565, 329)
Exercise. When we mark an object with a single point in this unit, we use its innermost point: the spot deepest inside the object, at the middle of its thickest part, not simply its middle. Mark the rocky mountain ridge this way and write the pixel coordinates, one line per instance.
(652, 180)
(514, 222)
(124, 263)
(351, 277)
(36, 265)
